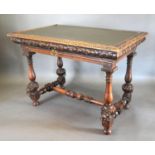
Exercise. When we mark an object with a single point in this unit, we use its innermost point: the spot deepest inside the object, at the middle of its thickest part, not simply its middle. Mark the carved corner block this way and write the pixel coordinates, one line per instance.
(109, 67)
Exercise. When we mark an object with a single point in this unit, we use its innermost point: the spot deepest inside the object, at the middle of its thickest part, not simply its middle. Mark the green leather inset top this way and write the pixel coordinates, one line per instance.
(86, 34)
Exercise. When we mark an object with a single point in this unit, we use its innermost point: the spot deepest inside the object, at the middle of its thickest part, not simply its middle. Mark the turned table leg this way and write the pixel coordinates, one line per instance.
(128, 87)
(60, 72)
(107, 109)
(32, 87)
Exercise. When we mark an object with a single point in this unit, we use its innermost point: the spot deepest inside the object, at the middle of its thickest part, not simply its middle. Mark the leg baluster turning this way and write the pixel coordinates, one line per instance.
(128, 87)
(60, 72)
(108, 109)
(32, 87)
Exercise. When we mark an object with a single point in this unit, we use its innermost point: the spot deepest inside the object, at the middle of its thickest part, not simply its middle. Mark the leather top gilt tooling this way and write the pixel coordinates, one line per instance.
(94, 42)
(95, 45)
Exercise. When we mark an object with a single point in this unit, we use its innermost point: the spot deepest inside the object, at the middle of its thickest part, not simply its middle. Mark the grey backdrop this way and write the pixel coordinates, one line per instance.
(13, 65)
(60, 118)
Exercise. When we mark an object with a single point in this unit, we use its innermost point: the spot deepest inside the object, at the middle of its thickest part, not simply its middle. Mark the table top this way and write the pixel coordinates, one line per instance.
(116, 41)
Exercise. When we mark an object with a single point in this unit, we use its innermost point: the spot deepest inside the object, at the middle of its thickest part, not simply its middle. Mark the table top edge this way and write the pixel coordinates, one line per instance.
(84, 44)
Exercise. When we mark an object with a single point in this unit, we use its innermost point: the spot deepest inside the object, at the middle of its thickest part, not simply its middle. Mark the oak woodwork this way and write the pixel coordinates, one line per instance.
(32, 87)
(107, 64)
(107, 109)
(70, 49)
(106, 54)
(128, 87)
(60, 72)
(54, 87)
(108, 46)
(32, 91)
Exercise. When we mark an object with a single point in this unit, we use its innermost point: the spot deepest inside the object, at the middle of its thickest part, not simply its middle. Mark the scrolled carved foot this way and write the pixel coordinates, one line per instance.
(108, 113)
(107, 126)
(32, 91)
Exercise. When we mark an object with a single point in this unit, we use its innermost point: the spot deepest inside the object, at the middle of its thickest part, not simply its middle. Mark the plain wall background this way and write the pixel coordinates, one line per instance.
(13, 64)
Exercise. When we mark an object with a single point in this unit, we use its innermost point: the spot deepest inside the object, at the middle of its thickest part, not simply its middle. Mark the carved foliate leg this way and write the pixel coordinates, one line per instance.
(60, 72)
(32, 91)
(32, 87)
(128, 87)
(108, 109)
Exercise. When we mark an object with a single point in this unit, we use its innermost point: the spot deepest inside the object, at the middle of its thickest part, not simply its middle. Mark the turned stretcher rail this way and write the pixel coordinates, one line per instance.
(77, 96)
(54, 86)
(113, 109)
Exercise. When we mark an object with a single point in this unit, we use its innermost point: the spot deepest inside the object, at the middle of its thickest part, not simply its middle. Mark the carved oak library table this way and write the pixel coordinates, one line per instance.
(104, 47)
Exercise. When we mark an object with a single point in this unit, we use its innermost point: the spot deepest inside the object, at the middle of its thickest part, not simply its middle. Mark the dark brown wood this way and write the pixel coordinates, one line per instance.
(107, 109)
(77, 96)
(31, 73)
(71, 49)
(107, 64)
(32, 87)
(48, 87)
(128, 87)
(60, 72)
(108, 96)
(105, 43)
(54, 86)
(32, 91)
(107, 55)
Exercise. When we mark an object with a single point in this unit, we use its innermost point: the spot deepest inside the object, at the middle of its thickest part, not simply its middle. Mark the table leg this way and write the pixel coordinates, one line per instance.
(60, 72)
(108, 108)
(128, 87)
(32, 87)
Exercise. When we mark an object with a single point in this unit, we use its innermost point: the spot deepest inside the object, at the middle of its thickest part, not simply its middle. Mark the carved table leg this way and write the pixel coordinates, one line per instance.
(60, 72)
(128, 87)
(108, 108)
(32, 87)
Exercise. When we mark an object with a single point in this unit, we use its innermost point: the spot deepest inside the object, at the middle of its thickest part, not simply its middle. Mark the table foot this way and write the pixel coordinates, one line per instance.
(32, 91)
(35, 103)
(107, 114)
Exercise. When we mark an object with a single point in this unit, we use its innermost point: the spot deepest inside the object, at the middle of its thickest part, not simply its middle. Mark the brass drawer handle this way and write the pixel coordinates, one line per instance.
(53, 52)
